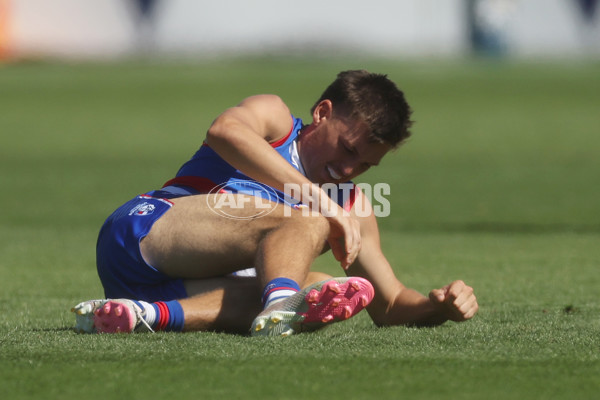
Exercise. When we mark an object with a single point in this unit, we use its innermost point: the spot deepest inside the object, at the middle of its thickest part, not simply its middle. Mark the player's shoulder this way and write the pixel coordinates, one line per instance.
(272, 116)
(271, 101)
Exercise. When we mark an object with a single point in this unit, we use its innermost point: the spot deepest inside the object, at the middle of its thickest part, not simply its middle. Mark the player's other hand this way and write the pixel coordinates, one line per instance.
(455, 301)
(344, 239)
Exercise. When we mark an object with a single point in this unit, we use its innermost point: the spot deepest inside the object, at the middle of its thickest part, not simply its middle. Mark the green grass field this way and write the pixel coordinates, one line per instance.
(500, 187)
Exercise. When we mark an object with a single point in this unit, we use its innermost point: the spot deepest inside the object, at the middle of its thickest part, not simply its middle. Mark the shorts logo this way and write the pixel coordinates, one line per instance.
(142, 209)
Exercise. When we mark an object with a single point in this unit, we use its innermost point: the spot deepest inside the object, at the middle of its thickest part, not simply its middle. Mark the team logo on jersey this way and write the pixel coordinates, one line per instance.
(256, 200)
(142, 209)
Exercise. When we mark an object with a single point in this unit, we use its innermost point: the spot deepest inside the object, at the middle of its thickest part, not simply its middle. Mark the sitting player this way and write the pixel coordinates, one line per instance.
(169, 261)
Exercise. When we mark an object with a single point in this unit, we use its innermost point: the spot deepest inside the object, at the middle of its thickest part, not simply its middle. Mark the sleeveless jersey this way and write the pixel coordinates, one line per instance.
(207, 172)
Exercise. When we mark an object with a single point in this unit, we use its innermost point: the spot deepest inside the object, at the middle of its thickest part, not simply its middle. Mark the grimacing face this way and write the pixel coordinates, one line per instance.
(337, 150)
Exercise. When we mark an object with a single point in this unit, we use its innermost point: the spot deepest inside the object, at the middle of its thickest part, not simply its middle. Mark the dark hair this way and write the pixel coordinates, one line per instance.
(374, 99)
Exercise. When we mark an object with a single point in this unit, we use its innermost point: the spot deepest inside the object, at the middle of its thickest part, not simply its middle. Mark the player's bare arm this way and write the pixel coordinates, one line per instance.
(241, 135)
(394, 303)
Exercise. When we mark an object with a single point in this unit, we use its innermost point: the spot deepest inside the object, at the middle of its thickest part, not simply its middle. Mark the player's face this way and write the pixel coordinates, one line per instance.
(338, 150)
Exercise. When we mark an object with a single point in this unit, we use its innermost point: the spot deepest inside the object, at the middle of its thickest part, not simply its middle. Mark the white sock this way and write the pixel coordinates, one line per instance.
(149, 312)
(278, 289)
(278, 295)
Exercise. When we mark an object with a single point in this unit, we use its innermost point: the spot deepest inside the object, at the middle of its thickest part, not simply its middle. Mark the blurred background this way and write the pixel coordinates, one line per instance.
(86, 29)
(101, 100)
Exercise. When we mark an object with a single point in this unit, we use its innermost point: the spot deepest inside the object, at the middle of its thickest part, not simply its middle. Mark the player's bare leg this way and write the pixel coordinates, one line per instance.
(191, 241)
(226, 304)
(194, 243)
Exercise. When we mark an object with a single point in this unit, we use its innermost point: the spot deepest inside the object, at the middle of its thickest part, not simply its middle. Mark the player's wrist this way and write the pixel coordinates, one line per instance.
(317, 200)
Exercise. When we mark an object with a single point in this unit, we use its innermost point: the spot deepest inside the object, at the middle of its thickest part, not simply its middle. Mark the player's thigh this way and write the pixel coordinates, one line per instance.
(193, 241)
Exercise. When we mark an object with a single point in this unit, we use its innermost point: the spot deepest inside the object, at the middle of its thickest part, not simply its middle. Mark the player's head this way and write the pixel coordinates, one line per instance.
(374, 99)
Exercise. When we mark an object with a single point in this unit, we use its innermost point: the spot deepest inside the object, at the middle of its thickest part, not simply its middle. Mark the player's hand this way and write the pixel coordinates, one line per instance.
(455, 301)
(344, 239)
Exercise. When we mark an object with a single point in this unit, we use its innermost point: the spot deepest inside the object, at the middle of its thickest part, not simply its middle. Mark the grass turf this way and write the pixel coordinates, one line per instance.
(499, 186)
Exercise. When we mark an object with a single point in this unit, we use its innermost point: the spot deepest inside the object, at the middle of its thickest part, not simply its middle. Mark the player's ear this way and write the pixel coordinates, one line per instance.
(323, 111)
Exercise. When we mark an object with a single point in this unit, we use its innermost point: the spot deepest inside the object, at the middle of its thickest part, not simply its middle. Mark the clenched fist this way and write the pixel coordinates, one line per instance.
(455, 301)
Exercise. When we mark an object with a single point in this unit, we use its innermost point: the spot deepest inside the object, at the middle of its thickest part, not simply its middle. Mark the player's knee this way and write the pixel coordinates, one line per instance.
(313, 226)
(320, 225)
